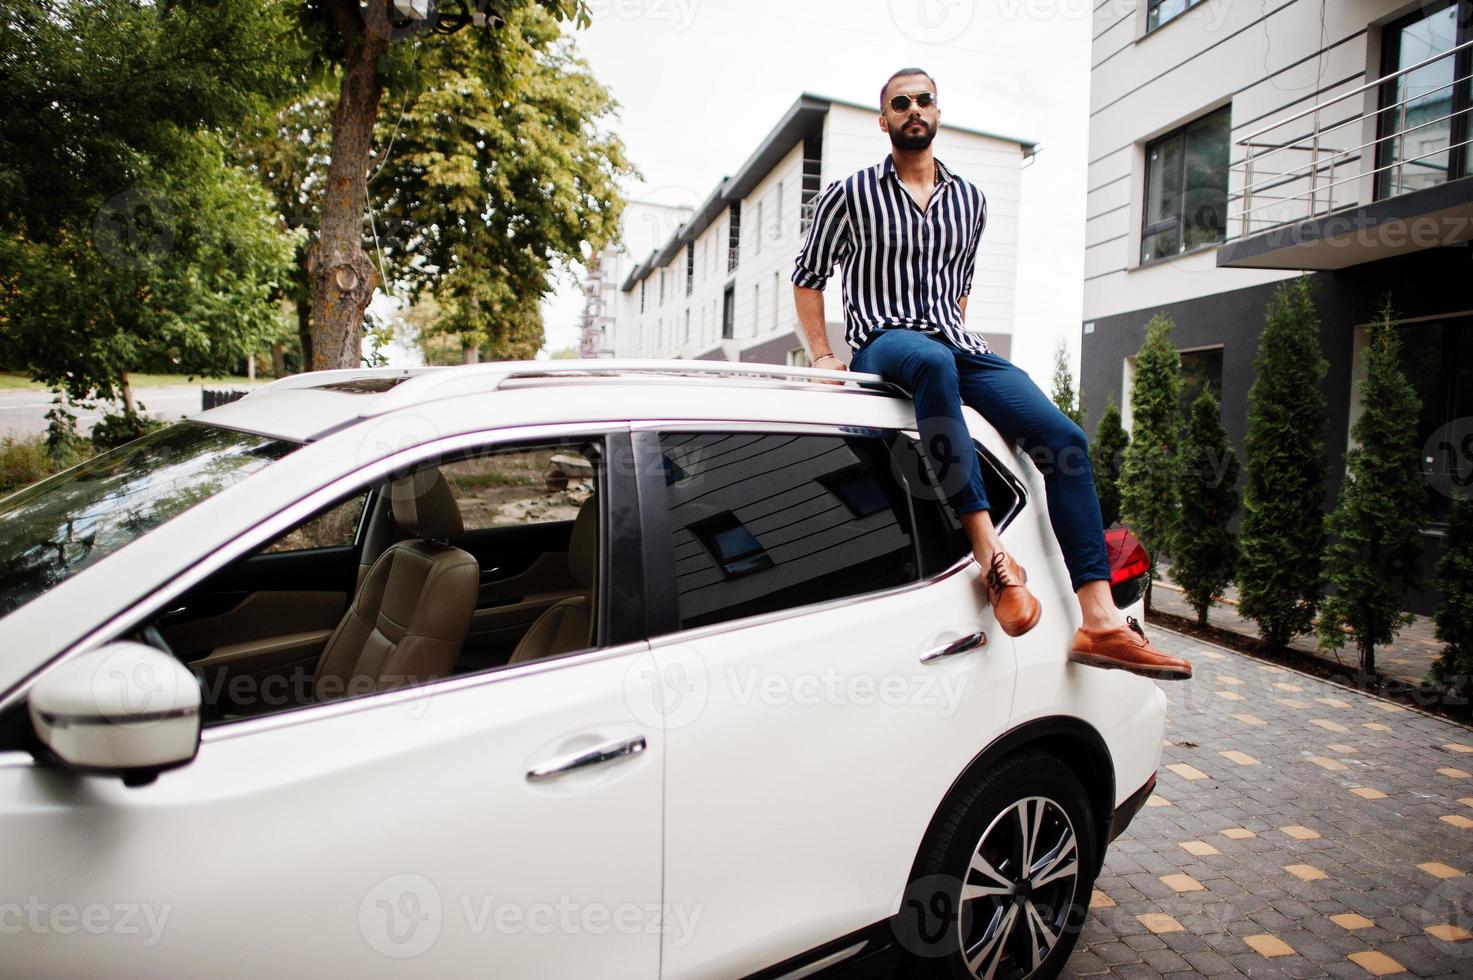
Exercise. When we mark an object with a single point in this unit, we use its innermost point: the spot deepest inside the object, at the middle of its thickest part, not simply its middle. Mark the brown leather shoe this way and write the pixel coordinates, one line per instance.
(1016, 609)
(1126, 648)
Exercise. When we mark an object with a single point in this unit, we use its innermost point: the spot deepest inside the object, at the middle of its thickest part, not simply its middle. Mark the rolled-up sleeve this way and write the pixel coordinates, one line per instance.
(828, 240)
(969, 262)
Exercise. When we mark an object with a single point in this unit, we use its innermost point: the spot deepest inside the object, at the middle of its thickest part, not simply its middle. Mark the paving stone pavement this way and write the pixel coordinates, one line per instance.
(1298, 829)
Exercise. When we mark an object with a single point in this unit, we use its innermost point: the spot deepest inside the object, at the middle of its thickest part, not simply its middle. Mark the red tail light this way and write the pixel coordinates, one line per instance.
(1130, 565)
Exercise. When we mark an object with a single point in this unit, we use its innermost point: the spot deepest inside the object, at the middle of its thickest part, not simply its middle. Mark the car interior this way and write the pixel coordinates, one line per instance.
(460, 566)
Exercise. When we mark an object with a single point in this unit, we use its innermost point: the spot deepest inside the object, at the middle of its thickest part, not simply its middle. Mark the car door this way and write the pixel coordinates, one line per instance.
(505, 823)
(826, 678)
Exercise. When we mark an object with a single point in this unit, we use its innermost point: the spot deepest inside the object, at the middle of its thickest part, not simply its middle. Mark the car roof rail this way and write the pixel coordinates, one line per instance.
(393, 388)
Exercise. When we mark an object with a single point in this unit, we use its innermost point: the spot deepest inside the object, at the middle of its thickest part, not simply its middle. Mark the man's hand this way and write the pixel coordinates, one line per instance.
(830, 363)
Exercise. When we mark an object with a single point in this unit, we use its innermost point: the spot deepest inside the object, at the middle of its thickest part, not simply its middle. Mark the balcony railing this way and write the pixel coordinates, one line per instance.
(1352, 149)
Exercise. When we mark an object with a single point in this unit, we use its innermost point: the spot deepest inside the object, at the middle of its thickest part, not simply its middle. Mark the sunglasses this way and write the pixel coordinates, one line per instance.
(925, 100)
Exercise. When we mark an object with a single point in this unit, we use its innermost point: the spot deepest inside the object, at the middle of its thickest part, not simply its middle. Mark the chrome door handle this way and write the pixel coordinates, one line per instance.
(592, 756)
(969, 642)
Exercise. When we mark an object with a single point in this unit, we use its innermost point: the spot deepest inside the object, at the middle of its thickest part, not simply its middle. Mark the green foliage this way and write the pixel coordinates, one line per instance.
(1148, 476)
(1453, 669)
(1106, 456)
(1281, 537)
(114, 429)
(97, 89)
(1203, 553)
(1064, 394)
(1377, 523)
(27, 460)
(126, 240)
(175, 276)
(501, 169)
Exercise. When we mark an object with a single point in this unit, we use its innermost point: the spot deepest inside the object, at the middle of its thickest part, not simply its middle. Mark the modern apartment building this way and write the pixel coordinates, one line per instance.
(718, 286)
(1235, 144)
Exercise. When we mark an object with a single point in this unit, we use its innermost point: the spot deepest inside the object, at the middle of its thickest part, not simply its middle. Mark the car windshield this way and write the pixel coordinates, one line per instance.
(56, 528)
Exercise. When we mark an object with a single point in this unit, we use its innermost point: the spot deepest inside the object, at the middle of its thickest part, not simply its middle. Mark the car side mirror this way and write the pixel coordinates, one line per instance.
(124, 709)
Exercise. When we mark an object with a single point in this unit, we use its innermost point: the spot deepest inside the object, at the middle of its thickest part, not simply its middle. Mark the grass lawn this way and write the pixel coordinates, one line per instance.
(10, 381)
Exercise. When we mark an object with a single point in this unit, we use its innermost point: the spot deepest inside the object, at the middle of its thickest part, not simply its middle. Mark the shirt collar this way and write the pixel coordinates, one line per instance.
(942, 173)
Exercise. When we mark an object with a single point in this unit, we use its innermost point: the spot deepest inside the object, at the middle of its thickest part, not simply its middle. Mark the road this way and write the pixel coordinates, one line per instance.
(1299, 829)
(23, 413)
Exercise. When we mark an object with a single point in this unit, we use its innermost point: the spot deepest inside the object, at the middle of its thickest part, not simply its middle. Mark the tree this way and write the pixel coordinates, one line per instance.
(1453, 669)
(1107, 454)
(1148, 475)
(1281, 537)
(1203, 553)
(1064, 395)
(501, 170)
(356, 42)
(1377, 523)
(175, 276)
(126, 240)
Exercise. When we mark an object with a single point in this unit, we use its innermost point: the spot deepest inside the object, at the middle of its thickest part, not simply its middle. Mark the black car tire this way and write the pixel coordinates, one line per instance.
(997, 929)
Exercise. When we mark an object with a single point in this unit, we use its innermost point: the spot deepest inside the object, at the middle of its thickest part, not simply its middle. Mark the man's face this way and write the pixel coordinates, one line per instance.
(914, 127)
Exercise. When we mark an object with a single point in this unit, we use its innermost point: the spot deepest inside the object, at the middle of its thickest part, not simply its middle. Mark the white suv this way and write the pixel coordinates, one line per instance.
(548, 669)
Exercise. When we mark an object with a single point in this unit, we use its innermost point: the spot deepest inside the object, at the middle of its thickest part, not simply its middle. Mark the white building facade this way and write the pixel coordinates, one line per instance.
(718, 286)
(1233, 145)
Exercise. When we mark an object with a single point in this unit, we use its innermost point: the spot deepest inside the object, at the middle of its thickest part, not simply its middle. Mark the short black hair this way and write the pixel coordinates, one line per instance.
(902, 73)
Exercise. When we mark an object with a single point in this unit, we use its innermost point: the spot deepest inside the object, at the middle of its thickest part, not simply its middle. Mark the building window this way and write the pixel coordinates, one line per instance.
(728, 313)
(761, 230)
(1187, 187)
(1159, 12)
(777, 292)
(642, 284)
(1437, 358)
(685, 340)
(1200, 369)
(756, 309)
(690, 267)
(777, 220)
(1424, 124)
(662, 287)
(734, 236)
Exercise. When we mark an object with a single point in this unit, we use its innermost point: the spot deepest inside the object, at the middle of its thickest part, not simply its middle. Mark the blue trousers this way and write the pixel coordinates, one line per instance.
(940, 378)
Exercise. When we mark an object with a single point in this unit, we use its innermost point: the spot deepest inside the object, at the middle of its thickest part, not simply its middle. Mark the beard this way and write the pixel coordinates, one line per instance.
(903, 139)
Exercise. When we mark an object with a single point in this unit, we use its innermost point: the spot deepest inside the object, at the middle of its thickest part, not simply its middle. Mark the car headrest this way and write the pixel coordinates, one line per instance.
(583, 543)
(424, 507)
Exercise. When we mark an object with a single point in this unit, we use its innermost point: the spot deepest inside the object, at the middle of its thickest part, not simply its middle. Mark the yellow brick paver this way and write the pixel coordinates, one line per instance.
(1351, 921)
(1159, 922)
(1181, 883)
(1199, 848)
(1449, 933)
(1301, 833)
(1267, 944)
(1376, 963)
(1305, 872)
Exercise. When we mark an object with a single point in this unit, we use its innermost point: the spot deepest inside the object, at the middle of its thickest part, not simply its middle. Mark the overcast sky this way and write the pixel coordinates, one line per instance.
(701, 82)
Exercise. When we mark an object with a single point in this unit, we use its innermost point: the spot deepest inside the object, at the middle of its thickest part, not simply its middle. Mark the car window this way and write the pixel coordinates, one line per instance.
(761, 522)
(336, 528)
(56, 528)
(943, 540)
(520, 486)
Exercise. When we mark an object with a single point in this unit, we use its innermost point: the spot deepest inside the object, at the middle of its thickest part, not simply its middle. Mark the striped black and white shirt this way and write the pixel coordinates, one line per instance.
(902, 267)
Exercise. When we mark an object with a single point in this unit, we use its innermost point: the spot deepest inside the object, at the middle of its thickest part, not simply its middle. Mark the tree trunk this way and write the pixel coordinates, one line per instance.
(1367, 663)
(470, 354)
(341, 274)
(127, 390)
(278, 359)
